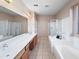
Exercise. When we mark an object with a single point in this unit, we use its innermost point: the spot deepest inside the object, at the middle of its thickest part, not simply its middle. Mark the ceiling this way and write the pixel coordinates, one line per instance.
(46, 7)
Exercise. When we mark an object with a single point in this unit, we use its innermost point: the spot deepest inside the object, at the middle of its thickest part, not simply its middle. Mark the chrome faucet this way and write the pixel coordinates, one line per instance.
(5, 45)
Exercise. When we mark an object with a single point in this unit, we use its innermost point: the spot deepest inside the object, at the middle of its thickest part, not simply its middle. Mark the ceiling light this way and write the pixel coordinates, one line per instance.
(36, 5)
(8, 1)
(46, 6)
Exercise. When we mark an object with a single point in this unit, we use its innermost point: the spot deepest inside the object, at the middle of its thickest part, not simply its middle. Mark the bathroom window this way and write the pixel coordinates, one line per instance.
(52, 28)
(55, 27)
(76, 19)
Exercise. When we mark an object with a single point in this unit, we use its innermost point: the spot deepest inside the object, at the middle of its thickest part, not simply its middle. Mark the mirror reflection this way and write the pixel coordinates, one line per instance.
(11, 24)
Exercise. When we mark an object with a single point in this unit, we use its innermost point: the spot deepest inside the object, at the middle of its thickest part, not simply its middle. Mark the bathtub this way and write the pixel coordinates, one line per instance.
(65, 52)
(54, 41)
(64, 49)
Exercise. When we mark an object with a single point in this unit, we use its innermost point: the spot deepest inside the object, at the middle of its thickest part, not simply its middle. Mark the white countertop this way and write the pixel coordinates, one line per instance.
(15, 45)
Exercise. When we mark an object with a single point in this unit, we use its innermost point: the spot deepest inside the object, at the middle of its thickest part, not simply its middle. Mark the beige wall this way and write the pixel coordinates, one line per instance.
(65, 12)
(16, 6)
(42, 25)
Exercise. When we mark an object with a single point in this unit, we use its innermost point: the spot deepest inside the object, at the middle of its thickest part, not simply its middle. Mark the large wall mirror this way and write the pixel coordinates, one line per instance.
(11, 24)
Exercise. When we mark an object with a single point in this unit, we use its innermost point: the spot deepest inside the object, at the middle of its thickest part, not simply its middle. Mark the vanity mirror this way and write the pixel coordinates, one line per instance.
(11, 24)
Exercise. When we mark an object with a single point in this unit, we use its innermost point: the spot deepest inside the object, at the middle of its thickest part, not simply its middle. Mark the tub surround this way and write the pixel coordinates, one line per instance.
(11, 47)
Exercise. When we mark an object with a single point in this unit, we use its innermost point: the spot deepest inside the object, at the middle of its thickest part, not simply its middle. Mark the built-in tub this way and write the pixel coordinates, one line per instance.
(65, 52)
(65, 49)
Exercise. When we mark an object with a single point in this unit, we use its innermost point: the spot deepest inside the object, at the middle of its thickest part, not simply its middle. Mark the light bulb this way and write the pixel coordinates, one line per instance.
(8, 1)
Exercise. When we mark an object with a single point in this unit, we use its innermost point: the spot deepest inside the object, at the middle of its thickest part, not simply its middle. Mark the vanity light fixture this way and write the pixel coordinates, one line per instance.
(8, 1)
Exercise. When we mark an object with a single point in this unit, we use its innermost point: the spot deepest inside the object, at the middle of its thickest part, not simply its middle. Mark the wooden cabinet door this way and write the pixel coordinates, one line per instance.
(25, 55)
(33, 43)
(35, 40)
(31, 46)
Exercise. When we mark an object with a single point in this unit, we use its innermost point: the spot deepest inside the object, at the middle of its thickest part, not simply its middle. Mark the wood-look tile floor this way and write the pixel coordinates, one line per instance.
(42, 50)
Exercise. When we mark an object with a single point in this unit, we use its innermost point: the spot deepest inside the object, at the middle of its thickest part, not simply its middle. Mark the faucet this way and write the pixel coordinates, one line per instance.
(5, 45)
(59, 37)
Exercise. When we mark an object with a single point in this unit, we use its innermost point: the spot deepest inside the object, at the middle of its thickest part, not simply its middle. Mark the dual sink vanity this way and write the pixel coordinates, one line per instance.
(18, 47)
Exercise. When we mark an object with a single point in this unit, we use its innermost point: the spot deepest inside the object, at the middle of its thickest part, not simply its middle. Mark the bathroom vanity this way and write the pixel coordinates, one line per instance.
(18, 47)
(24, 54)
